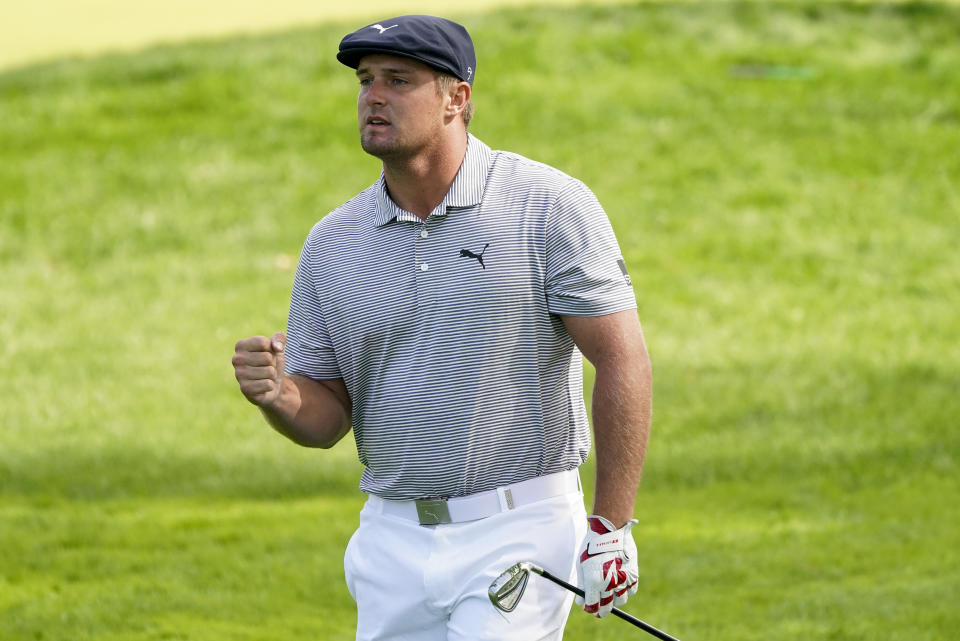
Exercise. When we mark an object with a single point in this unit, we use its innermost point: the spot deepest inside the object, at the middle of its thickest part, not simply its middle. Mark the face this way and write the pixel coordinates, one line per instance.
(399, 111)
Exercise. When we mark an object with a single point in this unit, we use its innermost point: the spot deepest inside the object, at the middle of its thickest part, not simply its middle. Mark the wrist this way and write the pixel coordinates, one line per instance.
(284, 403)
(617, 520)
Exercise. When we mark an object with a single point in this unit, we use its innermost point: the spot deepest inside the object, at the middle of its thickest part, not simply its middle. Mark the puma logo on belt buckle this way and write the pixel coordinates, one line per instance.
(433, 511)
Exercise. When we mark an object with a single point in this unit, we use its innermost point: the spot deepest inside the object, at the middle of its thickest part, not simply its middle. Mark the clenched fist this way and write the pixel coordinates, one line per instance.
(258, 364)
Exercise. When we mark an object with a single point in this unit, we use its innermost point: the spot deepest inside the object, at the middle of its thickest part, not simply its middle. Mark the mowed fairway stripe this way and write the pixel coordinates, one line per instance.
(47, 29)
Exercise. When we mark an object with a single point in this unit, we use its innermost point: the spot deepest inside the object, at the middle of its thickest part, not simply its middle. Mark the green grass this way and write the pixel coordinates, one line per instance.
(784, 182)
(42, 30)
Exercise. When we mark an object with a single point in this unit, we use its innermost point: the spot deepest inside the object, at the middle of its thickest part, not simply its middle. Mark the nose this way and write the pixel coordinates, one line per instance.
(372, 94)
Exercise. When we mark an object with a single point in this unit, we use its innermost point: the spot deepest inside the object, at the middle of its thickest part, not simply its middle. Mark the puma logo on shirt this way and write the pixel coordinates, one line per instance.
(466, 253)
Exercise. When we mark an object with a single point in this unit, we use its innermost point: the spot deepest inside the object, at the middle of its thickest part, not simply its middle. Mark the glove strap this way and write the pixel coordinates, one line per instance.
(610, 541)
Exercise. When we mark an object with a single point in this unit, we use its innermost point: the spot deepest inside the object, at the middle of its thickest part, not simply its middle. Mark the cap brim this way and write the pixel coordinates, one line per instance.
(352, 57)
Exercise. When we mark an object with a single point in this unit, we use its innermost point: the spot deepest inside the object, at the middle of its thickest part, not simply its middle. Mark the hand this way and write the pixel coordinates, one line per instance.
(258, 364)
(607, 567)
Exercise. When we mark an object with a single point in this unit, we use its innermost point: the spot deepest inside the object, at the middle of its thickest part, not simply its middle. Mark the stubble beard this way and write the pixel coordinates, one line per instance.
(399, 146)
(382, 149)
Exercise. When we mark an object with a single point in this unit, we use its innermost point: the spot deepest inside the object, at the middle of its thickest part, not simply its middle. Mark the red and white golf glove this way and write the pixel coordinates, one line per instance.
(607, 567)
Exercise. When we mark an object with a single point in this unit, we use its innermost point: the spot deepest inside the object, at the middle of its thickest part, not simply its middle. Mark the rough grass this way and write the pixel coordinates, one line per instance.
(784, 182)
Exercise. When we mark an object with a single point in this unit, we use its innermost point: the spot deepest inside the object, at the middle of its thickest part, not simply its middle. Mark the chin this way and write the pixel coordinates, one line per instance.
(382, 148)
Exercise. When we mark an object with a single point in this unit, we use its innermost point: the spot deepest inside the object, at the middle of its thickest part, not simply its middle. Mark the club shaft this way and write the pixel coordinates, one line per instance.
(660, 634)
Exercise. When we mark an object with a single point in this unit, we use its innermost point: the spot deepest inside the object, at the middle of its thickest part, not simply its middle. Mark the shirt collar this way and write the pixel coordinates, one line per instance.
(465, 191)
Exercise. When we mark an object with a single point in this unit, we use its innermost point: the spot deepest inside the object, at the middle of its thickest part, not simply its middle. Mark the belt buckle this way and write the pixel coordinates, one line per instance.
(433, 511)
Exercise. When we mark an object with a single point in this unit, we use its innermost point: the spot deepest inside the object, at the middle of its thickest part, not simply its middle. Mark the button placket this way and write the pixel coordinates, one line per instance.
(422, 265)
(422, 235)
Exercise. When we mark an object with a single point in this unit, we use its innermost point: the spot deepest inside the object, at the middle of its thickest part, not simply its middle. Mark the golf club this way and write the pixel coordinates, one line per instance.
(507, 589)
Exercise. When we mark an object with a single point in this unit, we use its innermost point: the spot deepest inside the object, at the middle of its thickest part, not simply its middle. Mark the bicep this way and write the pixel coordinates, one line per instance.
(325, 408)
(339, 389)
(610, 337)
(323, 391)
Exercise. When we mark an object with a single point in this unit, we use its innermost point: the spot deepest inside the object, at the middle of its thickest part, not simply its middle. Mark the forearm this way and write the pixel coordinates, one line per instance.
(622, 407)
(309, 413)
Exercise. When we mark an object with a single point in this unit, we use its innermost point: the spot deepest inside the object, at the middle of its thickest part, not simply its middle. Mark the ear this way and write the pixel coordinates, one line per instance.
(459, 97)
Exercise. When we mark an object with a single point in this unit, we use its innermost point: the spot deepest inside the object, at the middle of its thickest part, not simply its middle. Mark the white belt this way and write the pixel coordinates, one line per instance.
(482, 504)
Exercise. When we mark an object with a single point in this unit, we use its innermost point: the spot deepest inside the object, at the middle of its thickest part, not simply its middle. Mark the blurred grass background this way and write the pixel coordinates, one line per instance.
(783, 179)
(40, 30)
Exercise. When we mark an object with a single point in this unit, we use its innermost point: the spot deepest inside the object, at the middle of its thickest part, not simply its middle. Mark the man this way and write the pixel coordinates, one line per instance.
(441, 314)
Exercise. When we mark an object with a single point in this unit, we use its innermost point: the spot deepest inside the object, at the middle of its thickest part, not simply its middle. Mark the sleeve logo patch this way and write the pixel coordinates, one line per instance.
(623, 270)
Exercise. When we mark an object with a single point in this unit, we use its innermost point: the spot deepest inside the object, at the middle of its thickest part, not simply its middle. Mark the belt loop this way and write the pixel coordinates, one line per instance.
(506, 498)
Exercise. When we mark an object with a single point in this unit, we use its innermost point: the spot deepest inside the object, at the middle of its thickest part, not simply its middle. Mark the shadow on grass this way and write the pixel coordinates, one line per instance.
(125, 472)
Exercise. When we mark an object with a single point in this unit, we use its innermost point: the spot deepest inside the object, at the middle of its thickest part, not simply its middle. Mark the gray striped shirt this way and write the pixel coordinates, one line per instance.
(447, 332)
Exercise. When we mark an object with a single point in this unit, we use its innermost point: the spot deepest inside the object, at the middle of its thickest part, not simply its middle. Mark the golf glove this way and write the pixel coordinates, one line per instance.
(607, 567)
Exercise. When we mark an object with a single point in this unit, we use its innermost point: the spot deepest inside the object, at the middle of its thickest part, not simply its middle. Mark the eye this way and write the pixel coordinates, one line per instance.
(365, 81)
(398, 81)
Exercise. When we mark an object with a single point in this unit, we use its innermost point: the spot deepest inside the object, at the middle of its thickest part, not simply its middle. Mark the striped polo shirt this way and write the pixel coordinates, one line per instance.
(447, 332)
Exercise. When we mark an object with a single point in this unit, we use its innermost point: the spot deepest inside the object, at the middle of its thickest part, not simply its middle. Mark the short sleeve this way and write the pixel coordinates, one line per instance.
(586, 274)
(309, 350)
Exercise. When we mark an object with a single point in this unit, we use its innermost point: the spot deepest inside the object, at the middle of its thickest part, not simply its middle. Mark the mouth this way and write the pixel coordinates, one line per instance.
(377, 122)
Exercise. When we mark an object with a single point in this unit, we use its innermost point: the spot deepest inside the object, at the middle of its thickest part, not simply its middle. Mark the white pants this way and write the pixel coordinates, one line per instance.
(429, 583)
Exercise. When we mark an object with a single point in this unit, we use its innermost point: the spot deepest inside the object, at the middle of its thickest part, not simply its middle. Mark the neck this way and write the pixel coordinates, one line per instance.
(420, 183)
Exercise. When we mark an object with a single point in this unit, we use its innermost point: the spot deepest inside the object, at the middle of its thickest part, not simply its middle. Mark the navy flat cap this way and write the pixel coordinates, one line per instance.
(437, 42)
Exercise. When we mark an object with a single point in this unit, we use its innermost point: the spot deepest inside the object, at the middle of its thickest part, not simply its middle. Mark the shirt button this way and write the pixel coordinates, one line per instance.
(424, 233)
(424, 267)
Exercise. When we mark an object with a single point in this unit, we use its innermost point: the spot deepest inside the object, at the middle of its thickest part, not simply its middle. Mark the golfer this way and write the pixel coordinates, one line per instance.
(441, 315)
